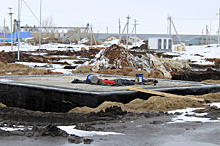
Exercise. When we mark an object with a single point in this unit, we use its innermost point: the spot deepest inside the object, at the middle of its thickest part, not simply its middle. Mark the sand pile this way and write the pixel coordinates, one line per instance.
(2, 105)
(154, 103)
(212, 81)
(83, 69)
(19, 69)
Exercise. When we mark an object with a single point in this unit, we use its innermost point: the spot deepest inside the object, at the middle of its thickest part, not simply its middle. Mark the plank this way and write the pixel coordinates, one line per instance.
(162, 93)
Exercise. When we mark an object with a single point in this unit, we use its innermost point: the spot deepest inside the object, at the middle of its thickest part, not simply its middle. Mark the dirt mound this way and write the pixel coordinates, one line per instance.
(2, 105)
(154, 103)
(212, 97)
(83, 69)
(212, 81)
(19, 69)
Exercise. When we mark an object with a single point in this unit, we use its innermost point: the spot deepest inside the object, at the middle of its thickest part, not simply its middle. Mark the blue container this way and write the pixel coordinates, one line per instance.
(92, 78)
(139, 78)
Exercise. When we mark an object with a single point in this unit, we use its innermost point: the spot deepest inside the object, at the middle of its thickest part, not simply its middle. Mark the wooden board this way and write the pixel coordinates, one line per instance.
(163, 94)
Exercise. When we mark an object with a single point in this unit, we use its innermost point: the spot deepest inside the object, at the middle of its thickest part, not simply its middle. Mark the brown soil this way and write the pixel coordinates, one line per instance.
(154, 104)
(215, 60)
(196, 75)
(7, 69)
(83, 69)
(212, 81)
(2, 105)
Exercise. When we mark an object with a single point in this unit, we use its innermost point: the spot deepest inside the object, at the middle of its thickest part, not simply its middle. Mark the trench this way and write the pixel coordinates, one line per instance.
(47, 99)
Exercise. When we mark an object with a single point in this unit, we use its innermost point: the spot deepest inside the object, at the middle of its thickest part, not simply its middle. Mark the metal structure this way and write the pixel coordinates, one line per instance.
(59, 32)
(11, 29)
(18, 29)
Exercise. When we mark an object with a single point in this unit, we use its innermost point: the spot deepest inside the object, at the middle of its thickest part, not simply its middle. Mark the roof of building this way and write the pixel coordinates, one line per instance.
(21, 35)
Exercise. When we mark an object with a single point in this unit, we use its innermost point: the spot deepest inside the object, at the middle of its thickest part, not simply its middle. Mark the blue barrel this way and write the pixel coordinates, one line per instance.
(139, 78)
(92, 78)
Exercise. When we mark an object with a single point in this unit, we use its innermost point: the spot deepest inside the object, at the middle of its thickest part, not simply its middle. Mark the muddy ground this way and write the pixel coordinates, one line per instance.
(136, 128)
(148, 128)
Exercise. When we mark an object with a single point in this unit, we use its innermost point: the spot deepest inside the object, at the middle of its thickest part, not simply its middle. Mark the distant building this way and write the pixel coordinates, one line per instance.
(160, 44)
(22, 35)
(201, 41)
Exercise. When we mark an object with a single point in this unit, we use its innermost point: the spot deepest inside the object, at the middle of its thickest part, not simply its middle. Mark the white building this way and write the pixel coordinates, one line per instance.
(160, 44)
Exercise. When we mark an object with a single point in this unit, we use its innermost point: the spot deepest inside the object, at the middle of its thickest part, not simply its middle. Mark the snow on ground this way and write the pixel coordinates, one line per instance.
(190, 53)
(72, 130)
(68, 129)
(206, 51)
(189, 116)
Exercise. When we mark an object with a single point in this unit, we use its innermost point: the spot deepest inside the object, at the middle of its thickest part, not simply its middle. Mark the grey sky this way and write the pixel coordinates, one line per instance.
(190, 16)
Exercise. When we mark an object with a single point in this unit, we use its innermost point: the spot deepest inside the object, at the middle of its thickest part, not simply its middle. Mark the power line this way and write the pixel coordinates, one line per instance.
(196, 19)
(31, 11)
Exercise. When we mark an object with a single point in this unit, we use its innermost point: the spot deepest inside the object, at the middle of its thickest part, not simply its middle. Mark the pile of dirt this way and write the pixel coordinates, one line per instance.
(2, 105)
(154, 103)
(212, 81)
(211, 97)
(20, 69)
(83, 69)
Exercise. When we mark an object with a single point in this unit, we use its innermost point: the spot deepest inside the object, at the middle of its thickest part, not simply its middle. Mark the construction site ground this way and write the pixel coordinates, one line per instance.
(138, 122)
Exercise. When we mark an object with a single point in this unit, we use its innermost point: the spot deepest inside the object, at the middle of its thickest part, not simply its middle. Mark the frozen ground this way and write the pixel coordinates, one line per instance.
(196, 54)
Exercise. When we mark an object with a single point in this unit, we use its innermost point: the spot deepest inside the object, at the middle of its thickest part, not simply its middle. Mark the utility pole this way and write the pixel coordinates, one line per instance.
(170, 26)
(11, 29)
(18, 29)
(107, 31)
(127, 31)
(202, 36)
(219, 27)
(176, 32)
(119, 34)
(135, 26)
(15, 29)
(210, 32)
(4, 31)
(91, 35)
(206, 34)
(40, 28)
(119, 41)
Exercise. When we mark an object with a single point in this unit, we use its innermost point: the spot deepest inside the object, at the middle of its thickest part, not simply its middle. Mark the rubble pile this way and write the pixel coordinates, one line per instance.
(117, 57)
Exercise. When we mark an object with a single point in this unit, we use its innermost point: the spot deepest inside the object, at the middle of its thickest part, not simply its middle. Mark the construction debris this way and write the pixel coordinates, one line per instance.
(117, 57)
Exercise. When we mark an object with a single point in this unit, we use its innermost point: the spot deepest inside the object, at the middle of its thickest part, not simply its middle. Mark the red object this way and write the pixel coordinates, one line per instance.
(108, 81)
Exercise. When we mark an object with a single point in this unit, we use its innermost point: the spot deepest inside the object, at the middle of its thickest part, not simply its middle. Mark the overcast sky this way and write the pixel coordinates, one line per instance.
(189, 16)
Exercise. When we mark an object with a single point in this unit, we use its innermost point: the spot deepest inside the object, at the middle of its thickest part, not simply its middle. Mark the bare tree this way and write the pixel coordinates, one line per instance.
(48, 24)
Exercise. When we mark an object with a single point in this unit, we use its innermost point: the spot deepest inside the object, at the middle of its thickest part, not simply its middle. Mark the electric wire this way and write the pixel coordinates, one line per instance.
(31, 11)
